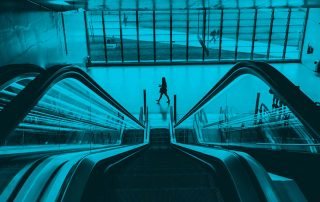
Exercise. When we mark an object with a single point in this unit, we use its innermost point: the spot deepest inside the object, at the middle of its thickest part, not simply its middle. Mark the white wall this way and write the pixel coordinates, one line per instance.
(312, 37)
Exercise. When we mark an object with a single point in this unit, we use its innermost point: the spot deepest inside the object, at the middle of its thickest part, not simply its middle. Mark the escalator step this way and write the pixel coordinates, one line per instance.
(166, 194)
(167, 180)
(188, 171)
(160, 174)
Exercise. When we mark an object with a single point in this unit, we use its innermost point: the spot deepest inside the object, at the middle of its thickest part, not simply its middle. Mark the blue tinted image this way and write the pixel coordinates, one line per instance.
(159, 100)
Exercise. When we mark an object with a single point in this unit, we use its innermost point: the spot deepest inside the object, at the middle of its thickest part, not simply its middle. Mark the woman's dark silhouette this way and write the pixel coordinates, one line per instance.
(163, 90)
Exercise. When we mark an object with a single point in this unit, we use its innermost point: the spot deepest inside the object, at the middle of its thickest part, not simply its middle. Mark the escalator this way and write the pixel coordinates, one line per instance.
(284, 138)
(160, 173)
(69, 140)
(51, 119)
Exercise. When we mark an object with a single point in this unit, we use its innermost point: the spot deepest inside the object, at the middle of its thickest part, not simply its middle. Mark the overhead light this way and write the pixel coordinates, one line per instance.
(59, 2)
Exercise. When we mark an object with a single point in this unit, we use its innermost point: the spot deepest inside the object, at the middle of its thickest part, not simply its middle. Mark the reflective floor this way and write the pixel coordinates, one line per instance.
(189, 83)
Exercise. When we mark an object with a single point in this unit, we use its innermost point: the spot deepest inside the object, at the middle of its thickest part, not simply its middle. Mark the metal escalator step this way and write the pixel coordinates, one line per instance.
(199, 194)
(161, 175)
(163, 169)
(162, 180)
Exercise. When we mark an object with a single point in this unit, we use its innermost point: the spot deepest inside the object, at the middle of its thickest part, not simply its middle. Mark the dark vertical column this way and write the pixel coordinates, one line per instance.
(145, 103)
(87, 34)
(198, 22)
(172, 121)
(220, 37)
(141, 115)
(256, 107)
(270, 34)
(154, 36)
(104, 37)
(237, 37)
(138, 37)
(204, 25)
(171, 33)
(121, 41)
(175, 108)
(304, 33)
(208, 23)
(187, 40)
(287, 35)
(254, 33)
(147, 115)
(64, 33)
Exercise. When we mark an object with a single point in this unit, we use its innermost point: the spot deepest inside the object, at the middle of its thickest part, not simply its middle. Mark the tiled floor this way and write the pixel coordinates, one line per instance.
(189, 83)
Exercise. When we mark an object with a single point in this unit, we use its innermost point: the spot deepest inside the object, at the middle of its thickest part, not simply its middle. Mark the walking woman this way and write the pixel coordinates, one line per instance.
(163, 90)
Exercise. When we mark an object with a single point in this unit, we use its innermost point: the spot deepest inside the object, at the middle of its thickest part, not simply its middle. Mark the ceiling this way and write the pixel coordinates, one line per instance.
(64, 5)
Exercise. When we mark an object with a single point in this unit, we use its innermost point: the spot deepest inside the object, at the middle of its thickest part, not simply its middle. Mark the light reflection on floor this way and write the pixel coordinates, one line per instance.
(189, 83)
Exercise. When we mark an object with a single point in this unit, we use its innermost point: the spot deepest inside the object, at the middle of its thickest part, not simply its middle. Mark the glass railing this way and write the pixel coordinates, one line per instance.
(56, 111)
(248, 112)
(13, 87)
(69, 115)
(14, 78)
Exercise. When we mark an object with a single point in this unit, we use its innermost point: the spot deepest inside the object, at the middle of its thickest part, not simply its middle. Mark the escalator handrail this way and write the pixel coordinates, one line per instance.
(299, 103)
(9, 72)
(233, 162)
(47, 171)
(20, 106)
(77, 182)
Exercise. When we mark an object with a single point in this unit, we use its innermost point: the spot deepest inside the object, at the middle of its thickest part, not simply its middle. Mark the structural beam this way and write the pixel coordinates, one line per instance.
(270, 35)
(287, 35)
(87, 34)
(254, 33)
(138, 36)
(304, 33)
(170, 33)
(154, 36)
(187, 36)
(204, 22)
(220, 37)
(104, 37)
(121, 41)
(64, 33)
(237, 37)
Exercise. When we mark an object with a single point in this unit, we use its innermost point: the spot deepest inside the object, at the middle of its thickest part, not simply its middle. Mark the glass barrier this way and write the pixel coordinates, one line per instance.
(70, 115)
(11, 88)
(247, 113)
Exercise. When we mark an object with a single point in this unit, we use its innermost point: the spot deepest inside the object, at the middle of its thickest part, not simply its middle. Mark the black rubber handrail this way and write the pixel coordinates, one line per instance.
(9, 72)
(20, 106)
(299, 103)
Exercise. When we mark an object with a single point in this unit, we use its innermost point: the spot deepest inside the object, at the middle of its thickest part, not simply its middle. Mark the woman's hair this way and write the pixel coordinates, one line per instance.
(164, 81)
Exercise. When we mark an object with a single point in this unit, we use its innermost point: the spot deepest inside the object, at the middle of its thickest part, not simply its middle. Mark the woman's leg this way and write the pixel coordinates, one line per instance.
(167, 97)
(160, 97)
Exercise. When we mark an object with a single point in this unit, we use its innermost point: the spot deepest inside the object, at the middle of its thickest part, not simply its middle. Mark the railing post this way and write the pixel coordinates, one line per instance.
(171, 124)
(141, 115)
(145, 104)
(147, 115)
(175, 108)
(256, 108)
(147, 125)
